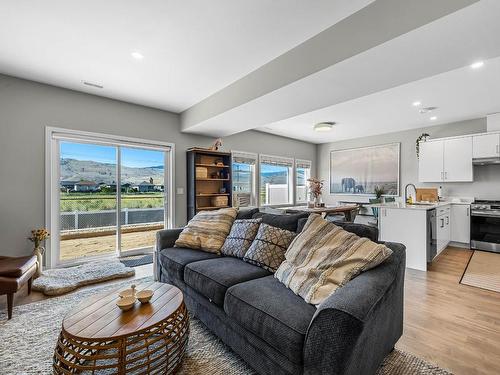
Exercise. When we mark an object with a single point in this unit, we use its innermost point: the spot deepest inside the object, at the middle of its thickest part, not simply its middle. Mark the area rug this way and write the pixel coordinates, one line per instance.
(27, 342)
(138, 260)
(483, 271)
(58, 281)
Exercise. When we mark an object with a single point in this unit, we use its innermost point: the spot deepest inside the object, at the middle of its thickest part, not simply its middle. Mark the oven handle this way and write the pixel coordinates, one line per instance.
(485, 214)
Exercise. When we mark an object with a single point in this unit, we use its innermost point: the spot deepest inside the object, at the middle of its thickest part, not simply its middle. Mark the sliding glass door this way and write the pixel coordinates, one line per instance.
(111, 198)
(87, 200)
(142, 198)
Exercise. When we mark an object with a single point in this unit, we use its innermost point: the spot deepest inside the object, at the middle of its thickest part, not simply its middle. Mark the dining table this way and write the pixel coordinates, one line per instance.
(349, 210)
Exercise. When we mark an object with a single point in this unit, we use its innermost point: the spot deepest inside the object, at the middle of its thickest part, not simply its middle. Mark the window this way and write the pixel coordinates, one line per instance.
(302, 174)
(276, 181)
(244, 176)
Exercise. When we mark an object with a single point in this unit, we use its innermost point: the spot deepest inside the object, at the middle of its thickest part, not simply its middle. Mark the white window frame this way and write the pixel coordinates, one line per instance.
(249, 155)
(301, 162)
(291, 180)
(52, 217)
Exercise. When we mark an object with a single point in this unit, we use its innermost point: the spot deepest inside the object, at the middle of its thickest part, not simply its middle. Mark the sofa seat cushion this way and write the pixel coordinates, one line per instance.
(271, 311)
(174, 259)
(213, 277)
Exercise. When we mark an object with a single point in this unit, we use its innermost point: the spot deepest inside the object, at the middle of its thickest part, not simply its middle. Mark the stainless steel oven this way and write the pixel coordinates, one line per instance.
(485, 225)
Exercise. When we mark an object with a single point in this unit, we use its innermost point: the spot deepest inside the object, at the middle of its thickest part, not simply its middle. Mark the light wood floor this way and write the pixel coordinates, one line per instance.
(454, 326)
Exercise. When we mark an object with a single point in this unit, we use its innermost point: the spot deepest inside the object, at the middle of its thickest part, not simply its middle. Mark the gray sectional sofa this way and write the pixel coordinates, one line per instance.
(276, 331)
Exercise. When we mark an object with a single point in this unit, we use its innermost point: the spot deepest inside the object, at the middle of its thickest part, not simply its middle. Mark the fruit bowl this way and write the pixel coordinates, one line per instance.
(144, 295)
(126, 303)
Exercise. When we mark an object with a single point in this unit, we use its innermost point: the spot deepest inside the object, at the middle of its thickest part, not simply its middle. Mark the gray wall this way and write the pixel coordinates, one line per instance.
(486, 178)
(26, 108)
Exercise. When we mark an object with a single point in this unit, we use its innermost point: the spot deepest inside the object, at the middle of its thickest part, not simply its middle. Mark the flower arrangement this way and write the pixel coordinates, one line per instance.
(38, 236)
(315, 186)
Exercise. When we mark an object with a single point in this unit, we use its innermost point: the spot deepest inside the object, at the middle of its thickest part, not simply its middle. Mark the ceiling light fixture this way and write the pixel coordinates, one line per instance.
(417, 104)
(433, 118)
(477, 65)
(323, 126)
(137, 55)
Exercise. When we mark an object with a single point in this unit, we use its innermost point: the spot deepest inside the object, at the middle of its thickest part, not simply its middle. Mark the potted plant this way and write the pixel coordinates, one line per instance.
(379, 192)
(37, 237)
(315, 190)
(422, 138)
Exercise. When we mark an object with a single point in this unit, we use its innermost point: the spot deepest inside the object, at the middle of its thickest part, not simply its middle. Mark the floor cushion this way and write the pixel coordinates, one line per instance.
(271, 311)
(174, 259)
(213, 277)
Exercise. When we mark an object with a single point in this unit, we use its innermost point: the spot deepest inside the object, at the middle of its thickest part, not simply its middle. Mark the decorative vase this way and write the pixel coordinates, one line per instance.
(317, 201)
(39, 258)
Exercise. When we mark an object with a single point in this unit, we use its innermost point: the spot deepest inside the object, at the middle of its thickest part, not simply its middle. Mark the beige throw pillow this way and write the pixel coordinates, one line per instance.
(208, 230)
(323, 257)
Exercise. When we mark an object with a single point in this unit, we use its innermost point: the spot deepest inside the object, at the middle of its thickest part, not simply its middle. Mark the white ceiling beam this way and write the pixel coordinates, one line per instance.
(372, 26)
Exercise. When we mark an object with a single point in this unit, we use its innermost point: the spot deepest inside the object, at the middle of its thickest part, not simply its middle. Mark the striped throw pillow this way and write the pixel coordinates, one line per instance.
(324, 257)
(207, 230)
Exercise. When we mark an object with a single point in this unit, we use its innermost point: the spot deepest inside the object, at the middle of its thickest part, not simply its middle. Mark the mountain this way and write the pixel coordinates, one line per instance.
(76, 170)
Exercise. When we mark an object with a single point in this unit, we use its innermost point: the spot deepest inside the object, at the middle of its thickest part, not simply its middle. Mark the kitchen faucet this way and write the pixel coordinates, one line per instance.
(406, 191)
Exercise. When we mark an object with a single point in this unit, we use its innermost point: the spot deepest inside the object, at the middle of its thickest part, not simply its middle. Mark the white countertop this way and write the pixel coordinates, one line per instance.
(405, 206)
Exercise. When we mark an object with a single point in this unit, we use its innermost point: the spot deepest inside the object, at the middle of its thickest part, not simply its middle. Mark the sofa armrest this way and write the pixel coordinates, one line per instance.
(166, 238)
(356, 327)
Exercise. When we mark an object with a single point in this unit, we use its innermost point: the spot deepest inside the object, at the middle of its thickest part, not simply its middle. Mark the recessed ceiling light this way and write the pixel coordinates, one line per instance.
(323, 126)
(433, 118)
(137, 55)
(92, 84)
(417, 104)
(427, 109)
(477, 65)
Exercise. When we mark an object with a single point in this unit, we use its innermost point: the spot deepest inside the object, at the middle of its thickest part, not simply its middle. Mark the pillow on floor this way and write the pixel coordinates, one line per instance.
(240, 238)
(323, 257)
(207, 230)
(269, 247)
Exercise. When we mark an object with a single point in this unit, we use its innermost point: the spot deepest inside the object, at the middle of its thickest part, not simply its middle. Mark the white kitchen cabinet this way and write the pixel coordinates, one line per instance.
(446, 160)
(458, 160)
(431, 161)
(460, 223)
(486, 145)
(443, 228)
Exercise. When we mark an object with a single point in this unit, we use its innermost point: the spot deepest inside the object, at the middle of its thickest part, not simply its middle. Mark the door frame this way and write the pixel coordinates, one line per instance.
(52, 217)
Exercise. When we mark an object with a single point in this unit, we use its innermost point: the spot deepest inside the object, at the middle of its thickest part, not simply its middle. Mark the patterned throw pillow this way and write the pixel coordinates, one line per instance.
(269, 247)
(324, 257)
(208, 230)
(240, 238)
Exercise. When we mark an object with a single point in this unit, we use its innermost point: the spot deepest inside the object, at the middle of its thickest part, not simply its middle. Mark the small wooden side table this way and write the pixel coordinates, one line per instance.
(97, 336)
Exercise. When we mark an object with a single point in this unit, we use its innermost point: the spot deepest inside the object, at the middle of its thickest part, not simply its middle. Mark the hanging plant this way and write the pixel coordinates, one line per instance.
(423, 138)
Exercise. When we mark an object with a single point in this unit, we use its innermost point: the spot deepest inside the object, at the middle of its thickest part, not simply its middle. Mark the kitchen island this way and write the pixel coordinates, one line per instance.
(423, 228)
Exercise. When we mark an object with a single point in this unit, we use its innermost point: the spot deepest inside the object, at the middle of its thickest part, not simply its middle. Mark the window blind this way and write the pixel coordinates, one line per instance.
(276, 160)
(305, 164)
(244, 157)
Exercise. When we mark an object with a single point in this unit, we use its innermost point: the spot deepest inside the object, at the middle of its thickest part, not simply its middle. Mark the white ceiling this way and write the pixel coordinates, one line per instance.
(460, 94)
(191, 48)
(444, 45)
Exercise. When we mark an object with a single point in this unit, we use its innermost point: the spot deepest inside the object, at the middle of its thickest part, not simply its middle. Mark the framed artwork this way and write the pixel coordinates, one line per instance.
(360, 170)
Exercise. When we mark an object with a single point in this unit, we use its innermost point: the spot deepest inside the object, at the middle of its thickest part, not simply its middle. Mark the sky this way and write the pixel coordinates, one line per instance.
(131, 157)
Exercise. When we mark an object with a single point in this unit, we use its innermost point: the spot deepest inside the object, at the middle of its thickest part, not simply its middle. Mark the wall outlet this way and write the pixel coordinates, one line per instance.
(180, 190)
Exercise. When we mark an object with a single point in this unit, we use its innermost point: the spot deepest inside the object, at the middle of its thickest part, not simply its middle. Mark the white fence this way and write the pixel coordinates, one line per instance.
(107, 218)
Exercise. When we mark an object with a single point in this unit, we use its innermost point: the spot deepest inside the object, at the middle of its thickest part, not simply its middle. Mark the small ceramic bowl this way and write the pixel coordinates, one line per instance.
(127, 293)
(144, 295)
(126, 303)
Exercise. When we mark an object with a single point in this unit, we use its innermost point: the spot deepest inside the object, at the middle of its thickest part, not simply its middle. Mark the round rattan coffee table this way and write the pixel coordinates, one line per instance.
(97, 337)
